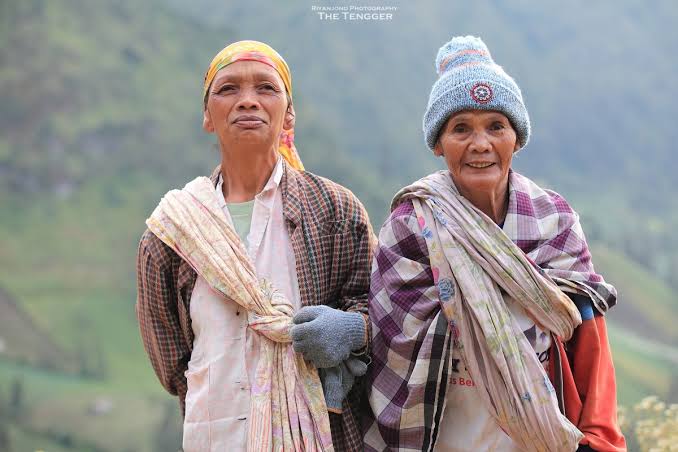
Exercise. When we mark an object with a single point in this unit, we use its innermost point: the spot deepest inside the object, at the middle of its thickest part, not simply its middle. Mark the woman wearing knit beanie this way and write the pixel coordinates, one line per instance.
(487, 314)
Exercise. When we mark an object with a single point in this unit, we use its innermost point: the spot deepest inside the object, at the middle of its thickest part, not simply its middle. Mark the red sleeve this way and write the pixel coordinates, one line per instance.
(589, 386)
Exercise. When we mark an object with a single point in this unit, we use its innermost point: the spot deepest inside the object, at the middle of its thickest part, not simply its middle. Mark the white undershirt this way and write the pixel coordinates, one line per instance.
(225, 352)
(467, 424)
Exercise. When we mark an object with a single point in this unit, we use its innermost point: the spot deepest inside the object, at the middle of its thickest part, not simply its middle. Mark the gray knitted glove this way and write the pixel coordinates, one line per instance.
(337, 381)
(326, 336)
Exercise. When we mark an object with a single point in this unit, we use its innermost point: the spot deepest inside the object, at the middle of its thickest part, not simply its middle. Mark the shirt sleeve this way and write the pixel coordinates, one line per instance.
(354, 291)
(403, 306)
(589, 382)
(158, 316)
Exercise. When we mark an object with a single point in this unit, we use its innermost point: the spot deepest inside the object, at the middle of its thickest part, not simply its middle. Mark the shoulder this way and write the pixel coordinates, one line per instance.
(404, 211)
(153, 252)
(543, 200)
(330, 200)
(559, 202)
(402, 222)
(401, 234)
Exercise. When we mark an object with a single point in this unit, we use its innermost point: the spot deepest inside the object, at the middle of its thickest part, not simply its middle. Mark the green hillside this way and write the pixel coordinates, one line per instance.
(100, 115)
(647, 305)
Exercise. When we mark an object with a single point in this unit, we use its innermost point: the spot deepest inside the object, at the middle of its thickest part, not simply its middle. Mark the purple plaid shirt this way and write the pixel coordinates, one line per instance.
(409, 346)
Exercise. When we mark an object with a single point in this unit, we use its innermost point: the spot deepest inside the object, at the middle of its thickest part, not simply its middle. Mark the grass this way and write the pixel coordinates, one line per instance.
(71, 267)
(642, 367)
(58, 405)
(651, 300)
(22, 440)
(642, 375)
(129, 425)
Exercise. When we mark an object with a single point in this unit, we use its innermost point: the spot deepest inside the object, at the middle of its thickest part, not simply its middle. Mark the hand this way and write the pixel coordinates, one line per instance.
(326, 336)
(337, 381)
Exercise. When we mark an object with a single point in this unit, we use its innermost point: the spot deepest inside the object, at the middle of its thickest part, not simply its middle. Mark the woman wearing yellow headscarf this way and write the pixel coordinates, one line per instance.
(226, 263)
(260, 52)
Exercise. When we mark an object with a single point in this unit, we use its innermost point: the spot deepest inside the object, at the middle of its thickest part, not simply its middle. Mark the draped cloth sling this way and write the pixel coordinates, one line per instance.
(287, 409)
(475, 265)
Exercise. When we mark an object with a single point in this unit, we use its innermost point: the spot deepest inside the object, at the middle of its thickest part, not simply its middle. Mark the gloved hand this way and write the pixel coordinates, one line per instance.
(337, 381)
(326, 336)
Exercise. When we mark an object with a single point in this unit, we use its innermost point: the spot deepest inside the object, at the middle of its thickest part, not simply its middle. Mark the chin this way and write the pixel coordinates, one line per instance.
(487, 183)
(251, 138)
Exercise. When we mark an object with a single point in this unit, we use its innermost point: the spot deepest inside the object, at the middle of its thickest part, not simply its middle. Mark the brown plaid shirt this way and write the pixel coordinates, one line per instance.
(333, 243)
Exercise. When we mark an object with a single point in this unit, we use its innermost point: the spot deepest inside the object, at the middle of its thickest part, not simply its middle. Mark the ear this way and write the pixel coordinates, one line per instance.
(207, 121)
(516, 147)
(288, 122)
(438, 149)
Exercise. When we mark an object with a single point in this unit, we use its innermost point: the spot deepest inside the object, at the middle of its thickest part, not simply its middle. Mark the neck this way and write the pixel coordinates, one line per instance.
(492, 203)
(245, 173)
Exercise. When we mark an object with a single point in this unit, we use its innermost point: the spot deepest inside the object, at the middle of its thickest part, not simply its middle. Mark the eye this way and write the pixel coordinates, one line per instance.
(460, 128)
(268, 87)
(497, 125)
(224, 89)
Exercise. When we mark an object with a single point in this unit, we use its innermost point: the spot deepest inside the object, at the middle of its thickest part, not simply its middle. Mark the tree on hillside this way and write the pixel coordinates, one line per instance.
(16, 399)
(4, 424)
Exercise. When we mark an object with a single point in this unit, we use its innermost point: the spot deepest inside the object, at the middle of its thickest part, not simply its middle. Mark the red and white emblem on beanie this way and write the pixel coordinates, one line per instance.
(481, 93)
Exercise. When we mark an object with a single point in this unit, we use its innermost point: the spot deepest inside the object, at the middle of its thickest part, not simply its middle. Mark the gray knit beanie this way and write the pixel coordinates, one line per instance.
(469, 79)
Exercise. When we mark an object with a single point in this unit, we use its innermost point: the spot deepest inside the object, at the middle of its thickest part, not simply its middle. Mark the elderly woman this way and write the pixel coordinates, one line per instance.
(252, 279)
(486, 310)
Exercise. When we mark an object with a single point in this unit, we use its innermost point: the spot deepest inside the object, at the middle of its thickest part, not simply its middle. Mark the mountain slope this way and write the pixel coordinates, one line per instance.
(21, 340)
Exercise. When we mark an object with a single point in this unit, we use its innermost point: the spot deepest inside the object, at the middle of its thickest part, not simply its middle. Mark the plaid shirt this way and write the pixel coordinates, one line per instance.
(332, 240)
(402, 274)
(410, 346)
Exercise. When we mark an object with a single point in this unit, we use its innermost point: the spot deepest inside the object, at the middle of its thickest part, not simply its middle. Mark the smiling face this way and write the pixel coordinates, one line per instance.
(478, 147)
(247, 106)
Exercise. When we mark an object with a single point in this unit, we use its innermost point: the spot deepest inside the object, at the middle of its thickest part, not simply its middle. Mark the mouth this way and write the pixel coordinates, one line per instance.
(480, 165)
(249, 121)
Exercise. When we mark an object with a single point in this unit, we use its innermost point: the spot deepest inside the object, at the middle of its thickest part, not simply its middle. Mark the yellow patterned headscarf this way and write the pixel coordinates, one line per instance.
(263, 53)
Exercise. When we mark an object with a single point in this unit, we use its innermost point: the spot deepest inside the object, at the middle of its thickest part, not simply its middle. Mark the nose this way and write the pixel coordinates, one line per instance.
(480, 141)
(248, 100)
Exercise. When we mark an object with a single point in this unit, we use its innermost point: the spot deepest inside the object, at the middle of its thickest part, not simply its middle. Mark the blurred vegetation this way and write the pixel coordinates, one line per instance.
(100, 115)
(651, 426)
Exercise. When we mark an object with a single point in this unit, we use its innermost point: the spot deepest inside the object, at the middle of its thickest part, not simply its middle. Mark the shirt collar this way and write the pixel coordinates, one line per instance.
(270, 187)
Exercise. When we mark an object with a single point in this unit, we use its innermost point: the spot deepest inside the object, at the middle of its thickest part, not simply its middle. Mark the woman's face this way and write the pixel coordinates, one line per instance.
(246, 105)
(478, 146)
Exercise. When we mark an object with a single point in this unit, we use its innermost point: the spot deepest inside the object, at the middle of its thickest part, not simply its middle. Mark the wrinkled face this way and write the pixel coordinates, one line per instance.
(478, 146)
(247, 105)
